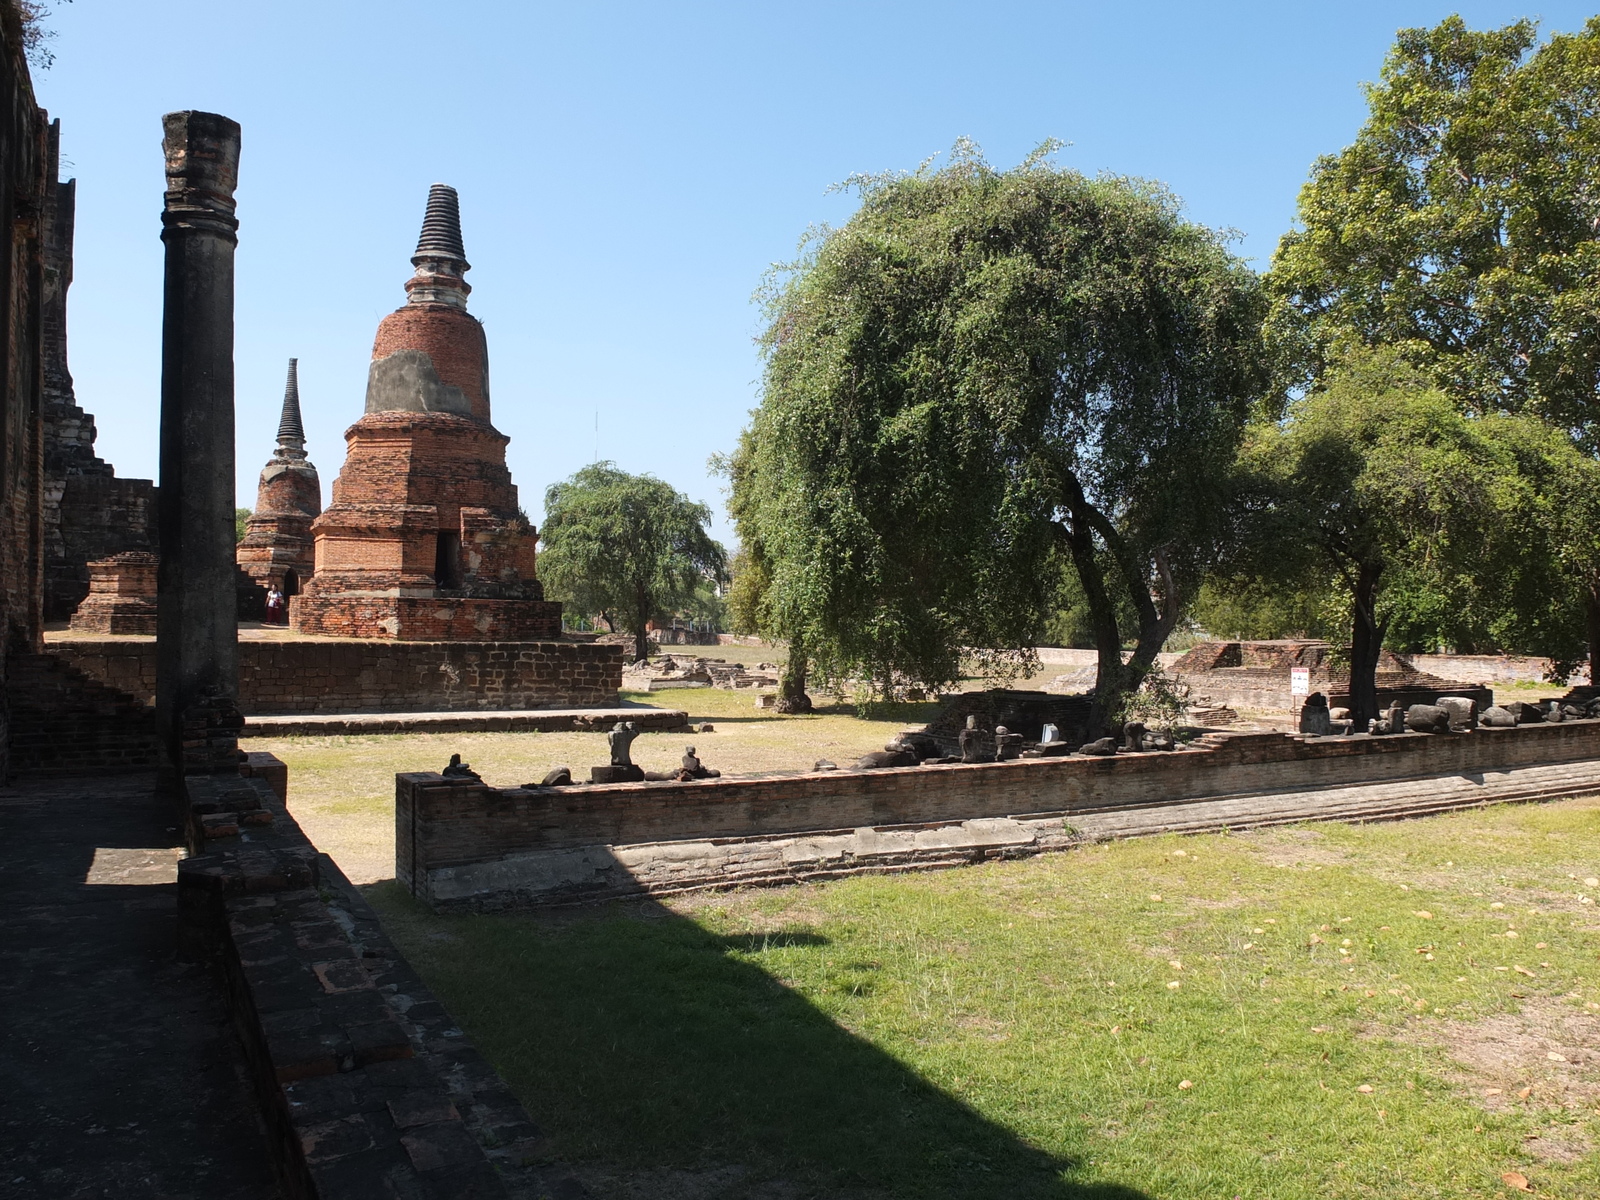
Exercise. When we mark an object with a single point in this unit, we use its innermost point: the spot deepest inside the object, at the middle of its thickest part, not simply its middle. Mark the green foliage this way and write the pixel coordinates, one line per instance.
(746, 591)
(628, 548)
(241, 517)
(981, 377)
(1257, 609)
(1459, 234)
(1375, 484)
(1459, 228)
(1159, 702)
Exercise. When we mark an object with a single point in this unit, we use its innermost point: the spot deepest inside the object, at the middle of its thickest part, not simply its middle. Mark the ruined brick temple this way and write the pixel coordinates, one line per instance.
(87, 512)
(424, 539)
(278, 549)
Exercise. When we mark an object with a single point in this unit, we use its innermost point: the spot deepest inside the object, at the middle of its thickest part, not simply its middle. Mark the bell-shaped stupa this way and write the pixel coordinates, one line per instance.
(423, 539)
(277, 550)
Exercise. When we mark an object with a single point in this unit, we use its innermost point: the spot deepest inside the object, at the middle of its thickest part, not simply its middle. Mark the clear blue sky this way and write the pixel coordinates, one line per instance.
(627, 173)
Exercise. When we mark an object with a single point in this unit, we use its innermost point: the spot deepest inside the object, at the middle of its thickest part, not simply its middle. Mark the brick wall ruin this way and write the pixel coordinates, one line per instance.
(373, 676)
(461, 845)
(23, 175)
(88, 513)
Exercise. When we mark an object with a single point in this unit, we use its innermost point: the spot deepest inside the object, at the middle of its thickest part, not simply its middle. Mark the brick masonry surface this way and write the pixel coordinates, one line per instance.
(471, 846)
(374, 676)
(367, 1085)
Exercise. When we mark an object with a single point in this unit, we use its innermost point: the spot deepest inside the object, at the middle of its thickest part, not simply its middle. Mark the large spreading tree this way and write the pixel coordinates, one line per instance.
(1377, 493)
(628, 548)
(1461, 230)
(981, 376)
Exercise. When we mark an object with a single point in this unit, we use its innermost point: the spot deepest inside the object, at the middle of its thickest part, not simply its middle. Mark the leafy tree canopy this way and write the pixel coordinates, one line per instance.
(1378, 491)
(981, 375)
(1462, 227)
(629, 548)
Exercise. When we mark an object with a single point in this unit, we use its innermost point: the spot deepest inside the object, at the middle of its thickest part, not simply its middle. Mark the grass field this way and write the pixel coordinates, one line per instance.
(1402, 1010)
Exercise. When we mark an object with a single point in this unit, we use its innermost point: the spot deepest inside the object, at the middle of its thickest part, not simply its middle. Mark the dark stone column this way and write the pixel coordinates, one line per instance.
(198, 650)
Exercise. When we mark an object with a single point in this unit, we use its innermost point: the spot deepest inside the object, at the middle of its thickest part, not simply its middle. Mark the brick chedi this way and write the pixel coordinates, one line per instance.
(122, 595)
(423, 539)
(278, 549)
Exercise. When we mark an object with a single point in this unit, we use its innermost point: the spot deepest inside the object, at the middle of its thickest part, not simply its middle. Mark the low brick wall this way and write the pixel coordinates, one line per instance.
(472, 846)
(367, 1086)
(373, 676)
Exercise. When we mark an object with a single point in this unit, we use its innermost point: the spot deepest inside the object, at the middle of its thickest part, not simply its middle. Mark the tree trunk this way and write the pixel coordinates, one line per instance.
(1109, 686)
(1155, 627)
(792, 697)
(1366, 641)
(1592, 621)
(643, 610)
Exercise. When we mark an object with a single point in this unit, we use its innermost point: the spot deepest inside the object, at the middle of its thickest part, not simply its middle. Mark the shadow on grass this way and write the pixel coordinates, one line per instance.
(642, 1041)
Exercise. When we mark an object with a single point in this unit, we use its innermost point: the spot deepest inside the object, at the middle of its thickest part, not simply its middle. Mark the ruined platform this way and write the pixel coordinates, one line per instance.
(467, 846)
(546, 720)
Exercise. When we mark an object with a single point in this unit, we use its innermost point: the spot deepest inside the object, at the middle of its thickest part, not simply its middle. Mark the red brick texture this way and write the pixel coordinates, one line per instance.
(382, 676)
(278, 538)
(409, 478)
(443, 826)
(451, 337)
(122, 595)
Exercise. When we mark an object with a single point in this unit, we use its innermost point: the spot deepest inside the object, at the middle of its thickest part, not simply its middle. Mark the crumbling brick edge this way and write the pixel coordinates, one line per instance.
(366, 1084)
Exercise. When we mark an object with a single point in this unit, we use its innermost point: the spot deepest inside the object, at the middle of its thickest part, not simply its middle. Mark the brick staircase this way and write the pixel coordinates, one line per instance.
(62, 722)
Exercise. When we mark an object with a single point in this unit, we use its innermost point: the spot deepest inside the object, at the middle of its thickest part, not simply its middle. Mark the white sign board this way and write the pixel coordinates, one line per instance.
(1299, 681)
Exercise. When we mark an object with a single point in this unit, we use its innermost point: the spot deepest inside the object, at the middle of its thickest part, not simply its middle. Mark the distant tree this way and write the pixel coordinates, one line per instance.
(241, 517)
(1377, 490)
(1255, 608)
(629, 548)
(1461, 230)
(981, 377)
(750, 597)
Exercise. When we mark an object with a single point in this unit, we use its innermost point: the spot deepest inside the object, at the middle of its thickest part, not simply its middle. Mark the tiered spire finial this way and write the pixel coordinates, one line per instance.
(291, 433)
(441, 259)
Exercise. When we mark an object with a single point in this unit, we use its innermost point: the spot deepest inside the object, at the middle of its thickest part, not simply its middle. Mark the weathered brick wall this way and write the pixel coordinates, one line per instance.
(371, 676)
(544, 840)
(23, 195)
(445, 618)
(88, 512)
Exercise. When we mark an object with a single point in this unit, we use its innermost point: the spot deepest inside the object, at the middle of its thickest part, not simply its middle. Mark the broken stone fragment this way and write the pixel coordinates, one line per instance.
(1315, 719)
(1397, 718)
(1463, 712)
(976, 744)
(460, 770)
(1007, 745)
(559, 777)
(616, 774)
(1103, 747)
(1428, 718)
(1523, 712)
(1496, 717)
(823, 764)
(878, 759)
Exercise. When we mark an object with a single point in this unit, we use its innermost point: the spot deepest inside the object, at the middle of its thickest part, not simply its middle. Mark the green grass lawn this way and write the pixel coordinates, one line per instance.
(1400, 1010)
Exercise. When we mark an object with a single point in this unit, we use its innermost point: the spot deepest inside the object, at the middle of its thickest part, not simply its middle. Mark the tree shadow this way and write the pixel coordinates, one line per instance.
(644, 1041)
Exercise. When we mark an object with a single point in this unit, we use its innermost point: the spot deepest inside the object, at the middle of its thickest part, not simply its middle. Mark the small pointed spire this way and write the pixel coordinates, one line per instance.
(441, 226)
(291, 434)
(441, 259)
